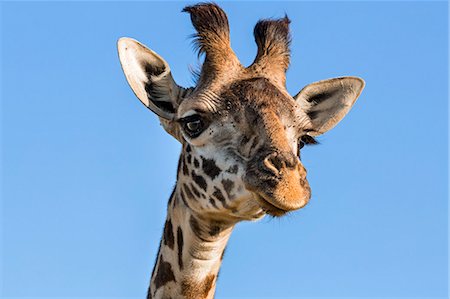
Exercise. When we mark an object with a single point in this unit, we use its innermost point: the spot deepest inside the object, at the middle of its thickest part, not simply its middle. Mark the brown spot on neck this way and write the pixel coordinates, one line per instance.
(216, 228)
(196, 228)
(188, 191)
(169, 239)
(196, 290)
(180, 244)
(184, 166)
(164, 274)
(195, 191)
(196, 163)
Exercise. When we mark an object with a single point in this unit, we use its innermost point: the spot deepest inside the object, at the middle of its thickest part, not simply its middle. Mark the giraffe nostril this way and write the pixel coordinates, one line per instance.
(271, 164)
(275, 162)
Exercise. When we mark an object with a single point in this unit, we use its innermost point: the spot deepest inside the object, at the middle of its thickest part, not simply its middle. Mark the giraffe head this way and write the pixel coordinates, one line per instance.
(240, 129)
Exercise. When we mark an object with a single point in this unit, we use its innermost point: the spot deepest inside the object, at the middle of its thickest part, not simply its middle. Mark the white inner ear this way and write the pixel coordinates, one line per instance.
(142, 67)
(327, 102)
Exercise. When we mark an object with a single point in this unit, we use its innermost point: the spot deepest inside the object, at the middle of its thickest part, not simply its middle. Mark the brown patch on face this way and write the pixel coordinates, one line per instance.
(212, 202)
(169, 239)
(210, 168)
(164, 274)
(228, 186)
(196, 290)
(199, 180)
(218, 194)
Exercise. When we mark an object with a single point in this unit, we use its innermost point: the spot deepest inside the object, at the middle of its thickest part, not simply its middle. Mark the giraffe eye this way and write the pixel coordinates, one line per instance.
(193, 125)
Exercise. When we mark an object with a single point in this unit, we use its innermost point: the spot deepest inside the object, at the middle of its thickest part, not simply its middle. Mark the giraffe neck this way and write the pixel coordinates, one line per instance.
(190, 253)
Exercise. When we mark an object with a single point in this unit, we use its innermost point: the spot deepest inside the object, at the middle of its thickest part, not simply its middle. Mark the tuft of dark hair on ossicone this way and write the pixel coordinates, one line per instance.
(273, 39)
(211, 24)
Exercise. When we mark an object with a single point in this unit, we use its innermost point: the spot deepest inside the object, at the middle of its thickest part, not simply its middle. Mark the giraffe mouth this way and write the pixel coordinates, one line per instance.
(267, 207)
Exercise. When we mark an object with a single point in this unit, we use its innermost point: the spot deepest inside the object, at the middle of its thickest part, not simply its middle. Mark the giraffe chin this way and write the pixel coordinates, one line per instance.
(290, 194)
(267, 207)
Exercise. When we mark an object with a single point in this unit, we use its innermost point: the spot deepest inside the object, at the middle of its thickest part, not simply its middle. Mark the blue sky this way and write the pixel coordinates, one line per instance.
(86, 170)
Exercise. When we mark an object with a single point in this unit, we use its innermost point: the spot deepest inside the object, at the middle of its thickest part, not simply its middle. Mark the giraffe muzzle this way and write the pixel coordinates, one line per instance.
(278, 182)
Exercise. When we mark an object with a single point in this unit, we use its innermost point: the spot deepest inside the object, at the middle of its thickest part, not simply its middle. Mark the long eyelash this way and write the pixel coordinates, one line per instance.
(308, 140)
(195, 72)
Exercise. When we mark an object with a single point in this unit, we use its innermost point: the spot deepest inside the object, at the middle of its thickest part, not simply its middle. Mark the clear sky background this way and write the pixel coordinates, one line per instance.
(87, 170)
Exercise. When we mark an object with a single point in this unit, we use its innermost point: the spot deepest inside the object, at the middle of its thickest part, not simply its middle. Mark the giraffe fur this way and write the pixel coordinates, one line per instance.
(241, 134)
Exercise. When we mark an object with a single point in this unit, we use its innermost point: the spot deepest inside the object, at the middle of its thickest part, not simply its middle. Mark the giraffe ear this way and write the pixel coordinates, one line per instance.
(150, 78)
(327, 102)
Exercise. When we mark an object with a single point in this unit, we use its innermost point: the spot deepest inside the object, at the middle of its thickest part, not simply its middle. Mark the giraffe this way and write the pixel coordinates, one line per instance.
(241, 133)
